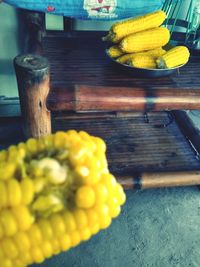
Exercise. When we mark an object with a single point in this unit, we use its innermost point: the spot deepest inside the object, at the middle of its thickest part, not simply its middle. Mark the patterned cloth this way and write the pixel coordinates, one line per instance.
(91, 9)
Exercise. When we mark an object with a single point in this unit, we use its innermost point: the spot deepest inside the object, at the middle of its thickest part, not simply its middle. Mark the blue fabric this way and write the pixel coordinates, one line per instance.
(91, 9)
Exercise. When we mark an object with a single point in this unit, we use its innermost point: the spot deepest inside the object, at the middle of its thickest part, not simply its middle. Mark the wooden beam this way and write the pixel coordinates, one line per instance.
(104, 98)
(158, 180)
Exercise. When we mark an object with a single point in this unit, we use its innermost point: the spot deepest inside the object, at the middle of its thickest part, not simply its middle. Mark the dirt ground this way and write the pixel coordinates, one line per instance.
(157, 228)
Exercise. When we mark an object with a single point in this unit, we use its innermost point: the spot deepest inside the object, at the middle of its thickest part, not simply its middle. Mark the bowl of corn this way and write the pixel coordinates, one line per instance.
(141, 46)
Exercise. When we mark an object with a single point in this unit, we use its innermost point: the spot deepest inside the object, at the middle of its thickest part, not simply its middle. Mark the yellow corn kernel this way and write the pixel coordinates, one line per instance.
(109, 181)
(101, 193)
(23, 217)
(85, 234)
(7, 170)
(27, 190)
(3, 195)
(119, 194)
(69, 221)
(13, 154)
(6, 263)
(22, 242)
(47, 249)
(100, 144)
(37, 255)
(26, 257)
(48, 141)
(104, 215)
(14, 192)
(65, 242)
(124, 28)
(75, 238)
(8, 222)
(146, 40)
(114, 207)
(35, 235)
(80, 218)
(39, 184)
(85, 197)
(1, 231)
(3, 155)
(174, 57)
(56, 246)
(19, 263)
(57, 224)
(93, 217)
(46, 229)
(9, 248)
(114, 51)
(31, 146)
(46, 205)
(78, 154)
(95, 228)
(59, 140)
(143, 61)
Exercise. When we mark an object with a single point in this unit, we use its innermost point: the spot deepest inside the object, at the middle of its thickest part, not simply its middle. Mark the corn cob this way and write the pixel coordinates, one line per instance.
(114, 51)
(58, 192)
(124, 28)
(143, 61)
(155, 53)
(146, 40)
(174, 57)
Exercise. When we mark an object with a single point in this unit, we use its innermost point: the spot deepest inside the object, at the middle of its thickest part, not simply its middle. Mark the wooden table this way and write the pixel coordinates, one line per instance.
(89, 92)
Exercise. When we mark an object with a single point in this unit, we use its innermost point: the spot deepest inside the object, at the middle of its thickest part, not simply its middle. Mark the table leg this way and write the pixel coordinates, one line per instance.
(32, 72)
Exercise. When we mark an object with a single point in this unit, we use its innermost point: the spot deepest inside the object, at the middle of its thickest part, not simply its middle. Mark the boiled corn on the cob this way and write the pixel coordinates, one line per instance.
(155, 53)
(174, 57)
(57, 192)
(124, 28)
(143, 61)
(145, 40)
(114, 51)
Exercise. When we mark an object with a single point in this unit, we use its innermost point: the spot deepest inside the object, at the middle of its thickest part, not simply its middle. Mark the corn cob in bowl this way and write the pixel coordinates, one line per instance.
(121, 29)
(174, 57)
(54, 193)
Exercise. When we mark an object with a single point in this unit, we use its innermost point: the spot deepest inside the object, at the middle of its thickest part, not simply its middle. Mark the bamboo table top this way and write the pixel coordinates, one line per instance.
(82, 60)
(136, 145)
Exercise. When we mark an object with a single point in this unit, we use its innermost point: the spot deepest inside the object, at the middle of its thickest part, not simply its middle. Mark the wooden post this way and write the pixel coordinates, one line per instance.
(32, 73)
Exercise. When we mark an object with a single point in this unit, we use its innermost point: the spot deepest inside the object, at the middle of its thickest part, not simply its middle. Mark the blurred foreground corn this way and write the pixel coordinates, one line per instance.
(124, 28)
(54, 193)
